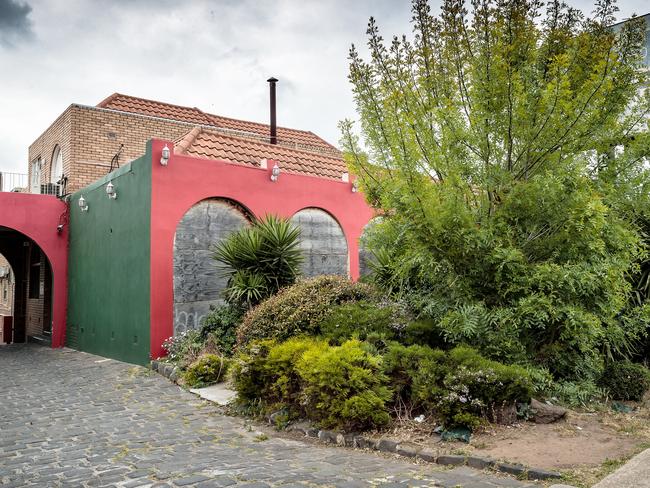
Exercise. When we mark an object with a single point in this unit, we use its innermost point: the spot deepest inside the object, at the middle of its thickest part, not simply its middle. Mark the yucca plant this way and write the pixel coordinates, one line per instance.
(260, 259)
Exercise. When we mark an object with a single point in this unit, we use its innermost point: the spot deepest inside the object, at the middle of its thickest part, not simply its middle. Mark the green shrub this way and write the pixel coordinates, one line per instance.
(424, 332)
(414, 372)
(249, 373)
(284, 383)
(358, 320)
(541, 380)
(577, 394)
(299, 309)
(260, 259)
(343, 386)
(460, 386)
(221, 324)
(337, 386)
(625, 380)
(206, 370)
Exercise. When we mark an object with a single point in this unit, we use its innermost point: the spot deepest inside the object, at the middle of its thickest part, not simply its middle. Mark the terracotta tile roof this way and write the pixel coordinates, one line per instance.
(298, 139)
(211, 144)
(125, 103)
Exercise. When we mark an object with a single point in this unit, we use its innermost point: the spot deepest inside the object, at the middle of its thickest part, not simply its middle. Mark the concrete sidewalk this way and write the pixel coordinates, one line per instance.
(633, 474)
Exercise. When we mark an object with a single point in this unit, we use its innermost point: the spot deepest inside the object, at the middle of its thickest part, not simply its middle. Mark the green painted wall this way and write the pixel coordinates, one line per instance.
(109, 266)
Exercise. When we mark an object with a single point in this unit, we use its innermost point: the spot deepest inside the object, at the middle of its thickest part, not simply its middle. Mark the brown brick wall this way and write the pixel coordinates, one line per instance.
(57, 134)
(90, 137)
(35, 309)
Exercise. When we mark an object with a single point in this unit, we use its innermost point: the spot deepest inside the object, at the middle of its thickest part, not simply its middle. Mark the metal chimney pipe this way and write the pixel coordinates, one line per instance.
(274, 126)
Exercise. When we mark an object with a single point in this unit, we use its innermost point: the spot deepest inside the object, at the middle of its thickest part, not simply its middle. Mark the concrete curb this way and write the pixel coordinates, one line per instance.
(633, 474)
(167, 370)
(428, 455)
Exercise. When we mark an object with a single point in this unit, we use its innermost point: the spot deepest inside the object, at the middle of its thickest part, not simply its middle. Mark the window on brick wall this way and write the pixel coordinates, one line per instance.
(56, 172)
(35, 181)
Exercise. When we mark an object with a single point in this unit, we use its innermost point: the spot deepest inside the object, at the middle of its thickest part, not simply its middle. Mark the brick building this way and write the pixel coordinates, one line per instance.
(84, 143)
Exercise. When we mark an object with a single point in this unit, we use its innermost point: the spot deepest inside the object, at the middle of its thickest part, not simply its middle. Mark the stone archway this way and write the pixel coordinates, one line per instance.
(197, 281)
(323, 243)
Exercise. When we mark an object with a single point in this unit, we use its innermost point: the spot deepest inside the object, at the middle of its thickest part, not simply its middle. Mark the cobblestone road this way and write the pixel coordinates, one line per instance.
(73, 419)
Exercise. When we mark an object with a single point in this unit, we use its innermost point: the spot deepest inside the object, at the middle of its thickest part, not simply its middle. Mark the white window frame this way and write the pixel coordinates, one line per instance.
(35, 179)
(56, 170)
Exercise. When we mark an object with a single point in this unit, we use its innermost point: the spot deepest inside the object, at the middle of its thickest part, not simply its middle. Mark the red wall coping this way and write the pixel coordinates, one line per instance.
(187, 180)
(37, 217)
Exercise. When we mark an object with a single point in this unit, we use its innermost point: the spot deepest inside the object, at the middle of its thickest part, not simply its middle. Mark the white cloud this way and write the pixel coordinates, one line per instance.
(215, 55)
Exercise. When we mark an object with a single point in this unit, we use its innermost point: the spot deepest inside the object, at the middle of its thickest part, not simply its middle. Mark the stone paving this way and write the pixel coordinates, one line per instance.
(73, 419)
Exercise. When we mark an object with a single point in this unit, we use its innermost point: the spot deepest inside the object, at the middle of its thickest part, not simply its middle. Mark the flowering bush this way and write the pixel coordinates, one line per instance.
(184, 348)
(460, 387)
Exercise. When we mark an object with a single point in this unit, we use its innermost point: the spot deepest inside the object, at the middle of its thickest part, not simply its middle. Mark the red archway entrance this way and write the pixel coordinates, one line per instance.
(33, 239)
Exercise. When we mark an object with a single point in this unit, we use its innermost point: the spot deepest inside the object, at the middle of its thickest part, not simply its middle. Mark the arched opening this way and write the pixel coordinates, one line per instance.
(26, 285)
(322, 242)
(197, 281)
(365, 254)
(56, 171)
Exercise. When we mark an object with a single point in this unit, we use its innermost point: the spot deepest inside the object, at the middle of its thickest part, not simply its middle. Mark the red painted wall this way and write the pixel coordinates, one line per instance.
(37, 216)
(187, 180)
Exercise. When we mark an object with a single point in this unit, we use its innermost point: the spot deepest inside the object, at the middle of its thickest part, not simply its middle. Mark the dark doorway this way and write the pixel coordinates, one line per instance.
(32, 293)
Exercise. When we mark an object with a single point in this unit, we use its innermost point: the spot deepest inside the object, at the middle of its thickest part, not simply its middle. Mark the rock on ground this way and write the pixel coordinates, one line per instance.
(545, 413)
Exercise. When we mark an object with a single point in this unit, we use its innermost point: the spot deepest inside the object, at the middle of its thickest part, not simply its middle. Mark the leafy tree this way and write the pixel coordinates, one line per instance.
(508, 150)
(260, 260)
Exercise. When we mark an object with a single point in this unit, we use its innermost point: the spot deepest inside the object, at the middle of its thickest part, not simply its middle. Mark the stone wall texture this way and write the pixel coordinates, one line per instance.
(198, 283)
(322, 242)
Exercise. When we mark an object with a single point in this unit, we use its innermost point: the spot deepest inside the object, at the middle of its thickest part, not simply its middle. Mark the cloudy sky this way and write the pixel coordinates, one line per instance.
(215, 55)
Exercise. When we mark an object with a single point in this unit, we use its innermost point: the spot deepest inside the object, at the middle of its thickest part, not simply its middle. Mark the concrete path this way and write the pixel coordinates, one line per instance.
(633, 474)
(72, 419)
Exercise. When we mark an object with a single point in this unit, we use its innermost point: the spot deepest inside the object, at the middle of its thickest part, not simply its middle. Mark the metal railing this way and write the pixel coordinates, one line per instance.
(19, 182)
(13, 182)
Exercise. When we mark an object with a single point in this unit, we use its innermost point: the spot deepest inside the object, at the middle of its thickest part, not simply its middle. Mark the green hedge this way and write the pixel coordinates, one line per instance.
(337, 386)
(350, 387)
(625, 380)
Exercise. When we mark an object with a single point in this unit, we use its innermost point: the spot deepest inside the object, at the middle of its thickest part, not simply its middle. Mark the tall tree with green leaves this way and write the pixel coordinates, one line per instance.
(507, 147)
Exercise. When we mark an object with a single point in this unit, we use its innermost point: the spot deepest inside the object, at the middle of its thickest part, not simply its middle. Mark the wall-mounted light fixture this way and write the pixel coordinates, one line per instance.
(275, 172)
(110, 191)
(82, 204)
(355, 186)
(345, 177)
(164, 159)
